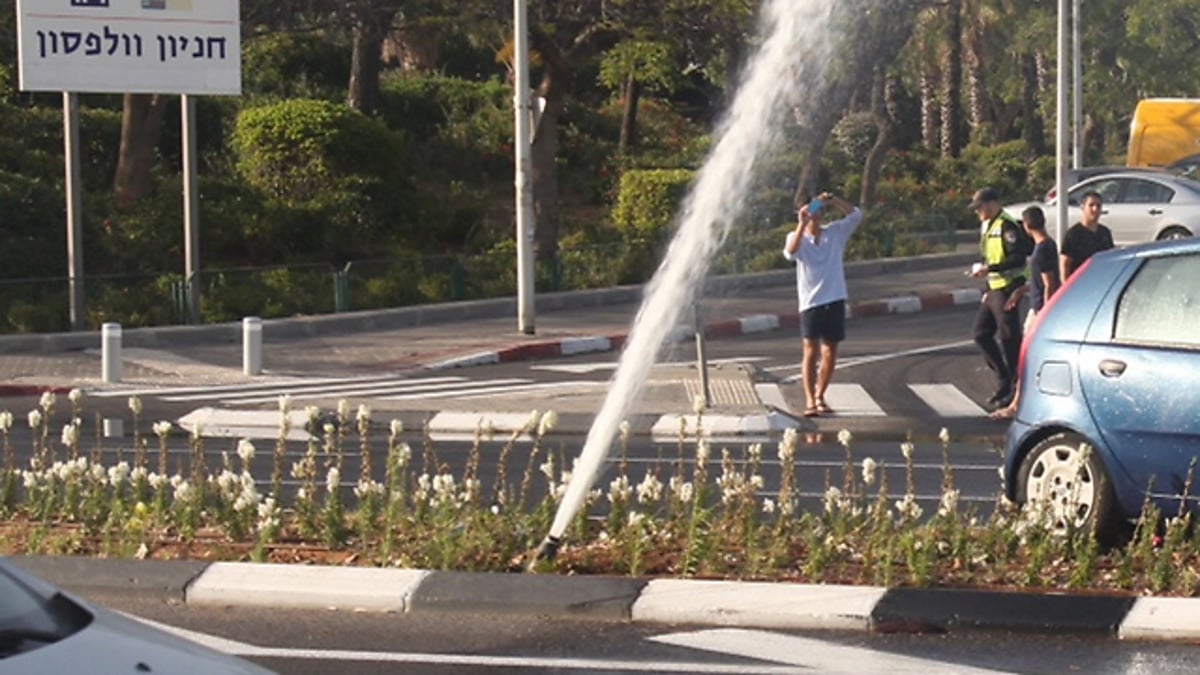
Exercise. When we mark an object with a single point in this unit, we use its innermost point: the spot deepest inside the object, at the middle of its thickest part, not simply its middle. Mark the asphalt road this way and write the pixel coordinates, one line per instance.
(302, 643)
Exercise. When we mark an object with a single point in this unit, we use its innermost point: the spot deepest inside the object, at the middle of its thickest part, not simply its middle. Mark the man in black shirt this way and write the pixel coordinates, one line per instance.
(1085, 238)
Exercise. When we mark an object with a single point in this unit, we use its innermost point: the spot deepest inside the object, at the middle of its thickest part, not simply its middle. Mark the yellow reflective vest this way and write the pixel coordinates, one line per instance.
(1004, 251)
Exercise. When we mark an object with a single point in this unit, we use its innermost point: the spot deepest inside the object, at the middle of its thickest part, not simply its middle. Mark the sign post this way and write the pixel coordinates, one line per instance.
(129, 46)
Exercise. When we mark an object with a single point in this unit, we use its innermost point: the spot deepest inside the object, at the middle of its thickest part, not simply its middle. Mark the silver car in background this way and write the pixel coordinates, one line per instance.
(1139, 206)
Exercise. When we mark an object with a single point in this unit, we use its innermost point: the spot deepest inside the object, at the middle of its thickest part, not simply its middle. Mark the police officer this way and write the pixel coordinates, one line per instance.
(1004, 247)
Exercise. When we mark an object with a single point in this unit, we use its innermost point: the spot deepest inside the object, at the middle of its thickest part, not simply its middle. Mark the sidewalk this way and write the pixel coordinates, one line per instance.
(419, 341)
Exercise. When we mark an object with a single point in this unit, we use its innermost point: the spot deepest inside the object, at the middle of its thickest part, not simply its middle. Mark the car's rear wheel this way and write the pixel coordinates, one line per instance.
(1174, 232)
(1063, 481)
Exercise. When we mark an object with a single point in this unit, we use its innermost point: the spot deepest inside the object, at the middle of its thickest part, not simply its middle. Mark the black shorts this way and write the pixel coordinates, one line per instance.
(824, 322)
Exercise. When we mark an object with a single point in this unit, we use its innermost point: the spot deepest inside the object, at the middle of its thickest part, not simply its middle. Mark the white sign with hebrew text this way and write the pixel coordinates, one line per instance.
(130, 46)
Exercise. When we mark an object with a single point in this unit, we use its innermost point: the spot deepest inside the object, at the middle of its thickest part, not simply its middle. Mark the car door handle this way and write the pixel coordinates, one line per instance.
(1111, 368)
(1156, 212)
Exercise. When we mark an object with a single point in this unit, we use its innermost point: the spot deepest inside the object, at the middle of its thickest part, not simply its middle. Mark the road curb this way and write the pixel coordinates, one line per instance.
(766, 605)
(726, 328)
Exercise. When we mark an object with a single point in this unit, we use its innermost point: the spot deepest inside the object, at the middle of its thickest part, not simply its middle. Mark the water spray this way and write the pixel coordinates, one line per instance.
(794, 37)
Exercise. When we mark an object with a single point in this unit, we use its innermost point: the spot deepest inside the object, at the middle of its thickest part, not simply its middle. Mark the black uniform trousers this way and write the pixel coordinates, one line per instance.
(993, 321)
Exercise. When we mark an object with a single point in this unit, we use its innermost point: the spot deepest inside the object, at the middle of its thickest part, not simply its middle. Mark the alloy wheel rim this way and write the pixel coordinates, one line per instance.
(1062, 484)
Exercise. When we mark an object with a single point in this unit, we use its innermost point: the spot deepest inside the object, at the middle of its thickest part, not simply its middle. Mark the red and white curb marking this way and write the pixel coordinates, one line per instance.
(756, 323)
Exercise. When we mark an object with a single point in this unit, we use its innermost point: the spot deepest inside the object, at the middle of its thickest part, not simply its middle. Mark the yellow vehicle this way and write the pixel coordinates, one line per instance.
(1163, 131)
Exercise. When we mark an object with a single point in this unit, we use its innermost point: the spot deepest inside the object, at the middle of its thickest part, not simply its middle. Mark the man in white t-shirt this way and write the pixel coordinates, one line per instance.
(821, 286)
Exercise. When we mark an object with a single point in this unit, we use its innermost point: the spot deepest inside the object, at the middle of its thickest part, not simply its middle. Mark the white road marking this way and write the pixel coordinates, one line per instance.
(250, 386)
(947, 400)
(244, 649)
(852, 400)
(594, 367)
(421, 387)
(874, 358)
(816, 655)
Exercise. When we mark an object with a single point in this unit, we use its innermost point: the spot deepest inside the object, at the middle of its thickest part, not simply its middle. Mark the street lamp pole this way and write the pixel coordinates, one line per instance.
(1076, 85)
(523, 150)
(1062, 136)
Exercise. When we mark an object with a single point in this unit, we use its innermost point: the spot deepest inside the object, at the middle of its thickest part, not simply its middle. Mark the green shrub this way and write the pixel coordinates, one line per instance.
(295, 65)
(298, 148)
(648, 201)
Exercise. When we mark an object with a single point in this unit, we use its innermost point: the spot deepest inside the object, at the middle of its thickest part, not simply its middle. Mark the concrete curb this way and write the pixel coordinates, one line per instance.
(757, 323)
(767, 605)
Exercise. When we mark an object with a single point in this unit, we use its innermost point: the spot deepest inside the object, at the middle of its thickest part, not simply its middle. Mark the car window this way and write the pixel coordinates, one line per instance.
(1109, 189)
(1161, 304)
(1146, 192)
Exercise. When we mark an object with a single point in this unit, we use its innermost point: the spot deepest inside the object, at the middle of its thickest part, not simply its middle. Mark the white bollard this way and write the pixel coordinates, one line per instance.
(252, 345)
(110, 352)
(114, 427)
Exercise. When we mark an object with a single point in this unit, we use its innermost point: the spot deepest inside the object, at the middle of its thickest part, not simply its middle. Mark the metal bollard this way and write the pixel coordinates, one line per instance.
(252, 345)
(110, 352)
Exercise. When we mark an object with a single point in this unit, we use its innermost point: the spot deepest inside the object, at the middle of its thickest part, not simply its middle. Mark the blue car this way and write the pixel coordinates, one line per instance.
(1109, 407)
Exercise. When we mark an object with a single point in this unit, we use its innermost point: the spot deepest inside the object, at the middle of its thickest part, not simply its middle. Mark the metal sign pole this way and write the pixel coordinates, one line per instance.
(191, 210)
(74, 189)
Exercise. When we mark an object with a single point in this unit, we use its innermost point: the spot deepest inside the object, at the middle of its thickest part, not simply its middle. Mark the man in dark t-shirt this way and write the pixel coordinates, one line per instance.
(1085, 238)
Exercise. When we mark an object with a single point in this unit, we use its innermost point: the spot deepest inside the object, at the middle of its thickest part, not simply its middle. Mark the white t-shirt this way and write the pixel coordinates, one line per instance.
(820, 276)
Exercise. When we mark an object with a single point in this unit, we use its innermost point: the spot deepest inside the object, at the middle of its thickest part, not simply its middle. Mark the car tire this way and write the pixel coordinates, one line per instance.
(1174, 232)
(1063, 473)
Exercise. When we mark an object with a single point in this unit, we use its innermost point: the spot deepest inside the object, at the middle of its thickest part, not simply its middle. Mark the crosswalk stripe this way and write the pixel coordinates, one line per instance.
(947, 400)
(492, 390)
(247, 386)
(259, 395)
(852, 400)
(454, 386)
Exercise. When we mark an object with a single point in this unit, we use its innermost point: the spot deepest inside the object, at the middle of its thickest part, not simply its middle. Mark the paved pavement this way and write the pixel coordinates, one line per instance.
(422, 340)
(419, 340)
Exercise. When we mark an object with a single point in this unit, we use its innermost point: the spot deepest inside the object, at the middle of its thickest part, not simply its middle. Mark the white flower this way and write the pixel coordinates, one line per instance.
(396, 427)
(787, 447)
(703, 451)
(135, 405)
(332, 479)
(364, 414)
(245, 450)
(549, 421)
(650, 489)
(285, 403)
(118, 474)
(768, 505)
(329, 428)
(75, 396)
(699, 404)
(908, 508)
(833, 499)
(868, 471)
(906, 449)
(35, 419)
(47, 401)
(944, 435)
(343, 409)
(844, 437)
(949, 504)
(635, 518)
(532, 423)
(547, 469)
(313, 413)
(619, 491)
(623, 428)
(162, 428)
(6, 421)
(403, 455)
(70, 435)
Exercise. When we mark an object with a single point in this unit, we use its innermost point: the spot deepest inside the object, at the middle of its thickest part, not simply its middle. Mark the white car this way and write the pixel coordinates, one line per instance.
(1138, 206)
(44, 630)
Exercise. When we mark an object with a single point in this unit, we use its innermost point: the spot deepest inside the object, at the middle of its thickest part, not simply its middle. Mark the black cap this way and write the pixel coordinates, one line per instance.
(983, 196)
